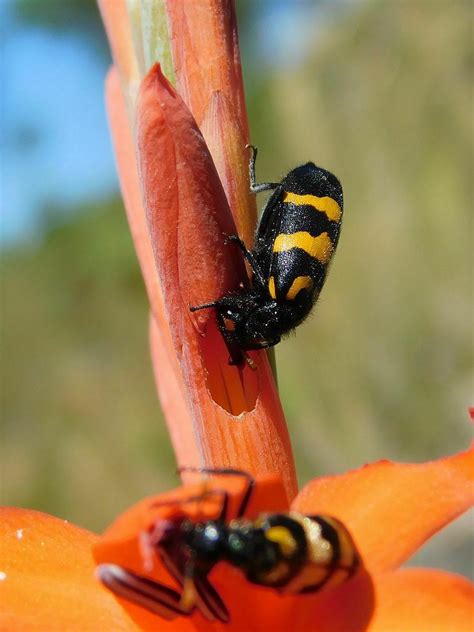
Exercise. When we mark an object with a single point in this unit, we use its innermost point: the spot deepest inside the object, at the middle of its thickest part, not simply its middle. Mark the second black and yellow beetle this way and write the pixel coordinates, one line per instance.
(291, 553)
(294, 244)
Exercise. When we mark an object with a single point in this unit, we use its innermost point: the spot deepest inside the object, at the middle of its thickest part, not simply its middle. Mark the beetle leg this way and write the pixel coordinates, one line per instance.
(144, 592)
(250, 363)
(196, 590)
(190, 499)
(263, 186)
(235, 239)
(267, 344)
(226, 471)
(209, 600)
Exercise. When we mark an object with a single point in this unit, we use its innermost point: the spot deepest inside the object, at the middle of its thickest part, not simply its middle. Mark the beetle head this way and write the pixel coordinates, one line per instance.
(254, 322)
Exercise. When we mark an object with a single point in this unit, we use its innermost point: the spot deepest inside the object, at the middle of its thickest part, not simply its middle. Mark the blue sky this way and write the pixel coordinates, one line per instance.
(55, 142)
(56, 151)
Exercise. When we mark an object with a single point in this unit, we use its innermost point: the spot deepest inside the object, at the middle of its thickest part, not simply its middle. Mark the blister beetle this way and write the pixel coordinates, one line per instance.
(294, 244)
(289, 552)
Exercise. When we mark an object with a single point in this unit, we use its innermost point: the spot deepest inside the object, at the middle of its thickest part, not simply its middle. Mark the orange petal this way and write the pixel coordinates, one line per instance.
(391, 509)
(168, 375)
(187, 213)
(410, 600)
(423, 600)
(48, 580)
(347, 608)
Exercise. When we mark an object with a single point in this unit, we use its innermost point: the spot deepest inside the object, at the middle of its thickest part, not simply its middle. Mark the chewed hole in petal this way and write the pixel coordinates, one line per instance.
(234, 388)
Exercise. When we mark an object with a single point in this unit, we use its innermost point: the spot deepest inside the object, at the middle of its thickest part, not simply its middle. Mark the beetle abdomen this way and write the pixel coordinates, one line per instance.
(304, 236)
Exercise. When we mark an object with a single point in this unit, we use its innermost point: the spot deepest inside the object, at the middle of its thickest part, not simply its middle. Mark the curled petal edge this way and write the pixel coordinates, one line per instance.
(393, 508)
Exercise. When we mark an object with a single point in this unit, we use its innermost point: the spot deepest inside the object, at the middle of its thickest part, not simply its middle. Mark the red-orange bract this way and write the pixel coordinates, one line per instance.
(227, 415)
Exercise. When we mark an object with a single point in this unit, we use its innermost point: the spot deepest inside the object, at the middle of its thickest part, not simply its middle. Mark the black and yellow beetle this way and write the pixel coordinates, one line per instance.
(295, 241)
(289, 552)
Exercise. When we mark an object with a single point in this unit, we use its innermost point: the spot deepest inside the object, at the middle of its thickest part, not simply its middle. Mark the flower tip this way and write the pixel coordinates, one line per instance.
(156, 74)
(156, 70)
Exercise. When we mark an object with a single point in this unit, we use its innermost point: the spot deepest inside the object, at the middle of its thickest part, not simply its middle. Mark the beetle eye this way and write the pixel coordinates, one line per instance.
(229, 324)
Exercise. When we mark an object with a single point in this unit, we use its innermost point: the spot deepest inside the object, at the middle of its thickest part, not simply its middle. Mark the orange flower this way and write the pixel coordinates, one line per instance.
(48, 580)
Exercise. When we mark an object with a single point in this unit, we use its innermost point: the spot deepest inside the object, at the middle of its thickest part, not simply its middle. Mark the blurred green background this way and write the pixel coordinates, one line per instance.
(379, 93)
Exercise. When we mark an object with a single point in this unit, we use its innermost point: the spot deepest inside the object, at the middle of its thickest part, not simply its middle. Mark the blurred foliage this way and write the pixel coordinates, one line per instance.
(384, 101)
(382, 369)
(84, 434)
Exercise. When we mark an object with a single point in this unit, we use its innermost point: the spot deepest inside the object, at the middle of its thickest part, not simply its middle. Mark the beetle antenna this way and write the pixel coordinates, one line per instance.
(195, 308)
